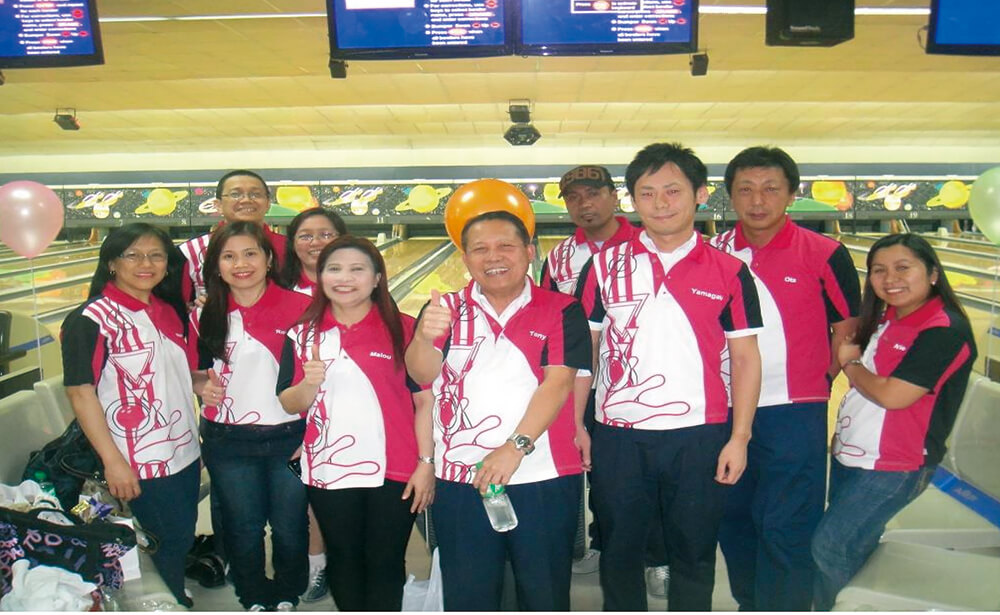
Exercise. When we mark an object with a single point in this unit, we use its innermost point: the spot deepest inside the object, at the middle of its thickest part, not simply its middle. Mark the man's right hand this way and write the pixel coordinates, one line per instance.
(435, 321)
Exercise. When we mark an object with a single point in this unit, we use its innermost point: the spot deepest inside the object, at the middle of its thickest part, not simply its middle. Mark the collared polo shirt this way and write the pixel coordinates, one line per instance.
(932, 348)
(489, 373)
(663, 333)
(567, 258)
(805, 282)
(360, 427)
(194, 251)
(135, 356)
(305, 285)
(253, 347)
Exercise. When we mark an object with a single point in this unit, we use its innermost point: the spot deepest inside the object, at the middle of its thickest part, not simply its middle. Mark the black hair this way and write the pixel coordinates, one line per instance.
(652, 158)
(238, 173)
(380, 296)
(213, 325)
(119, 240)
(522, 230)
(766, 157)
(872, 308)
(291, 271)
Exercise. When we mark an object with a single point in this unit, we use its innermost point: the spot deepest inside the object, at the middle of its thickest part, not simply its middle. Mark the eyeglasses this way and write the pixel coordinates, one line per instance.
(239, 196)
(134, 258)
(308, 237)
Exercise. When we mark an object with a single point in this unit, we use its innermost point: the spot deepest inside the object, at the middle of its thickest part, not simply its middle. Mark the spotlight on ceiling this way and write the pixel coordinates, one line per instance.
(699, 65)
(66, 118)
(522, 132)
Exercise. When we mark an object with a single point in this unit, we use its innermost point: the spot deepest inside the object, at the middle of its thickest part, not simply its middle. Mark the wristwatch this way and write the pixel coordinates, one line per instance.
(522, 443)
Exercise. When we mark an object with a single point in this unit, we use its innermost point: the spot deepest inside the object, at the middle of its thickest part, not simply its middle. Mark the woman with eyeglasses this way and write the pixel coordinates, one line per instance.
(128, 378)
(247, 438)
(367, 455)
(908, 366)
(308, 233)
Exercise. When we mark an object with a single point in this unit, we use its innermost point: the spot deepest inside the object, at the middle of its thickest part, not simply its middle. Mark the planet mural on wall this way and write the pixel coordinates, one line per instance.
(357, 199)
(833, 193)
(953, 194)
(161, 202)
(423, 199)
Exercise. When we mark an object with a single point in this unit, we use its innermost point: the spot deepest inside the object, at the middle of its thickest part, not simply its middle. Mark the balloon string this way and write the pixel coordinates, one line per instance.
(38, 332)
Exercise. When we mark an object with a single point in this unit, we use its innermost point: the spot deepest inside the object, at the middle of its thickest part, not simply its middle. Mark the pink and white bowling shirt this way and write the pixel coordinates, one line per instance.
(492, 365)
(567, 258)
(664, 320)
(253, 349)
(805, 282)
(932, 348)
(360, 428)
(136, 357)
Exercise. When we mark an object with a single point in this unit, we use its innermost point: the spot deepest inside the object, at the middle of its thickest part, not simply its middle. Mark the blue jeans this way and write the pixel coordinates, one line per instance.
(540, 548)
(168, 509)
(249, 469)
(772, 512)
(667, 477)
(861, 503)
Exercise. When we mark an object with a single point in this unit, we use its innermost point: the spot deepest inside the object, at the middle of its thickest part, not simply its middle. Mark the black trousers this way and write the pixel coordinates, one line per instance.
(365, 531)
(642, 477)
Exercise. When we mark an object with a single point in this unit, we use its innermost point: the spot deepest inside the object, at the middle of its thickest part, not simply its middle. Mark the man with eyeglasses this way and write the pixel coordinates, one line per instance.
(241, 196)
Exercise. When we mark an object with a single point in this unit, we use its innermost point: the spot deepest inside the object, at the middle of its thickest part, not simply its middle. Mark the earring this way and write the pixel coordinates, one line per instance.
(112, 271)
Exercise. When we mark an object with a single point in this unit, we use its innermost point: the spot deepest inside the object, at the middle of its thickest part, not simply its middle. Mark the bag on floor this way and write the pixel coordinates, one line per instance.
(67, 462)
(57, 538)
(425, 595)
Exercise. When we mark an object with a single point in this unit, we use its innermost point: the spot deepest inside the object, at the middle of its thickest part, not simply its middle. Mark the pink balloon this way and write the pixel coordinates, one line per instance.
(31, 216)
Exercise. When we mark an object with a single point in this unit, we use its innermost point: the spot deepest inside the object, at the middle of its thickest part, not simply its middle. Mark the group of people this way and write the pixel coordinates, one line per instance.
(690, 378)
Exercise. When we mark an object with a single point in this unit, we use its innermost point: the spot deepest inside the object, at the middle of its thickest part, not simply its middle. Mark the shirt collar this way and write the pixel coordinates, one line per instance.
(271, 297)
(780, 240)
(330, 321)
(624, 232)
(523, 299)
(306, 283)
(678, 253)
(120, 296)
(918, 316)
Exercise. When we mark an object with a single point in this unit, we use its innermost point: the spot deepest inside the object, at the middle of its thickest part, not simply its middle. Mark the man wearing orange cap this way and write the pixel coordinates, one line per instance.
(502, 355)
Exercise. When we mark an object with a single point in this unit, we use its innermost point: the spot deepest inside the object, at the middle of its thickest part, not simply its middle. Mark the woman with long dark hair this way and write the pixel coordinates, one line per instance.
(247, 438)
(308, 233)
(367, 457)
(908, 366)
(128, 379)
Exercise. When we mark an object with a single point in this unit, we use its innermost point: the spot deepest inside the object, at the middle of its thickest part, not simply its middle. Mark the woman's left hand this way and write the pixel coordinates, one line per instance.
(421, 487)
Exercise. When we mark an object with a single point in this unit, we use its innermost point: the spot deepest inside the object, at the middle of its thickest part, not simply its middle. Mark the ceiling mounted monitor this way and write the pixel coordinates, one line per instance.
(964, 27)
(49, 33)
(606, 27)
(415, 29)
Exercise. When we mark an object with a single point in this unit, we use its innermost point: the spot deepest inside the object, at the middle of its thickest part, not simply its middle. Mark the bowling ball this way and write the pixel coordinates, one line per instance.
(482, 196)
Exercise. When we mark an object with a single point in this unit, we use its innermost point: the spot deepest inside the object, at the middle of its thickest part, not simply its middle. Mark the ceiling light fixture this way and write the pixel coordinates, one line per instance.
(522, 132)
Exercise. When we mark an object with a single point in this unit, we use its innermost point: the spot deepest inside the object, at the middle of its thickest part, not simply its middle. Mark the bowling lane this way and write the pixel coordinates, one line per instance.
(23, 280)
(401, 255)
(55, 246)
(984, 261)
(62, 256)
(449, 275)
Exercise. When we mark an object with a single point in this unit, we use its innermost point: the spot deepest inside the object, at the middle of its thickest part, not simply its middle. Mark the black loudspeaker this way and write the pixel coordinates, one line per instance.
(797, 23)
(699, 65)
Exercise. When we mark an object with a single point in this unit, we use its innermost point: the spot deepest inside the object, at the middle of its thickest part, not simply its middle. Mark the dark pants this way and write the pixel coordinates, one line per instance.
(366, 531)
(168, 509)
(594, 529)
(772, 512)
(540, 548)
(861, 503)
(249, 469)
(641, 477)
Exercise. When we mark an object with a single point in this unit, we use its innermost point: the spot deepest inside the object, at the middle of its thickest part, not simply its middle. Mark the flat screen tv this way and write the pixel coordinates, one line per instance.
(49, 33)
(964, 27)
(414, 29)
(606, 27)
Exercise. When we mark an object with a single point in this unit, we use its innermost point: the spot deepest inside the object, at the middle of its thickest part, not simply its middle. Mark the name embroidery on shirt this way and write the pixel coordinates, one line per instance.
(380, 355)
(537, 335)
(706, 294)
(899, 347)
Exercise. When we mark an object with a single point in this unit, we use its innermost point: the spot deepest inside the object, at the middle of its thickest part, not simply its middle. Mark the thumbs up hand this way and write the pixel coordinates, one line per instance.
(436, 318)
(213, 392)
(314, 370)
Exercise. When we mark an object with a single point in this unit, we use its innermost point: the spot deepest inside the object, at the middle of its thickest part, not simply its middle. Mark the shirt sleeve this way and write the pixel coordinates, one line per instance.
(548, 281)
(83, 351)
(741, 316)
(841, 287)
(569, 344)
(930, 356)
(289, 367)
(588, 293)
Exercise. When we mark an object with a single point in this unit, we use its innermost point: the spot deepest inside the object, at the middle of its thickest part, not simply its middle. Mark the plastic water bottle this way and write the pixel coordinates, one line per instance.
(499, 509)
(43, 481)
